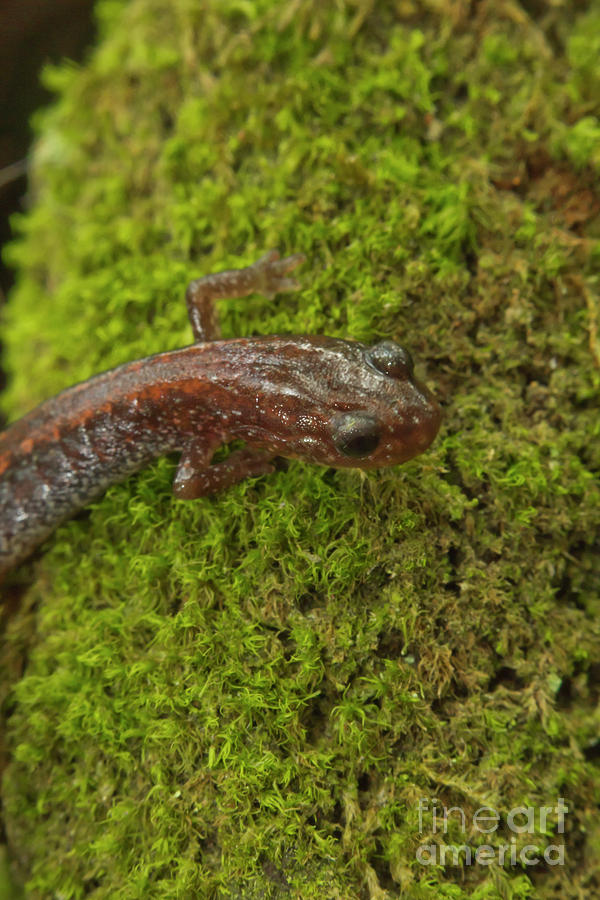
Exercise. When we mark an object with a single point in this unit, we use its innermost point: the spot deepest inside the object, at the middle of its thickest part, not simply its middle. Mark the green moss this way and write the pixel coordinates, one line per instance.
(246, 696)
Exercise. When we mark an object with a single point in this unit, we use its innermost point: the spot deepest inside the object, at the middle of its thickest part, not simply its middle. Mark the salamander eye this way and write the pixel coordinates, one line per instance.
(391, 359)
(356, 434)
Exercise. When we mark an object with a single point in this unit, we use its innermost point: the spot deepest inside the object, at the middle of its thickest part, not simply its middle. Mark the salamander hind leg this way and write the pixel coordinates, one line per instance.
(196, 478)
(267, 276)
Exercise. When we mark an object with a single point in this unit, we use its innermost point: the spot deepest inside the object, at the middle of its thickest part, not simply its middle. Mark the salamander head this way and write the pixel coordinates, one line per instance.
(345, 404)
(399, 417)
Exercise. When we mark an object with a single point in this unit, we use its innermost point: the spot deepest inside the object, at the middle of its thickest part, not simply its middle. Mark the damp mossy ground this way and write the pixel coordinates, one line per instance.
(248, 696)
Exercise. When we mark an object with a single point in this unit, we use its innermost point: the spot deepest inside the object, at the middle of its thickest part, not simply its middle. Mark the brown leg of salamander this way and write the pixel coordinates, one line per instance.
(266, 276)
(194, 480)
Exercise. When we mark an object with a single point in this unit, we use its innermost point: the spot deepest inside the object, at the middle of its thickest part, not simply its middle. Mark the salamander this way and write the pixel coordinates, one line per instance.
(321, 399)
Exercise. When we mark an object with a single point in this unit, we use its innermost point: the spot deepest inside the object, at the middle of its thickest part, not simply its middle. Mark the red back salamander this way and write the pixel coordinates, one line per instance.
(320, 399)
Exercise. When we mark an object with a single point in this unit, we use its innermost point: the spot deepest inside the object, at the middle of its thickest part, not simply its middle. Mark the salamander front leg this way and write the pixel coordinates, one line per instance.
(267, 276)
(195, 477)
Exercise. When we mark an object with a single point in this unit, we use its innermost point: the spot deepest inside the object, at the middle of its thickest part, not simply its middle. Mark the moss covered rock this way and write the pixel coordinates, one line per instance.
(272, 692)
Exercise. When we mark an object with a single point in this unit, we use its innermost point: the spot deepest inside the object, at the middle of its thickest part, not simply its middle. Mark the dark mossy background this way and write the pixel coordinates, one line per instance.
(246, 696)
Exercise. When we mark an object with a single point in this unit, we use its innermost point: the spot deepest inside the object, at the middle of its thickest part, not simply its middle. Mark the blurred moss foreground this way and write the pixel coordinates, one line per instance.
(265, 694)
